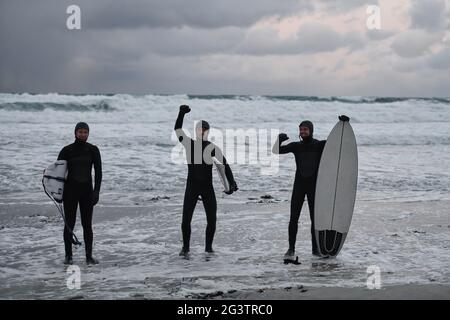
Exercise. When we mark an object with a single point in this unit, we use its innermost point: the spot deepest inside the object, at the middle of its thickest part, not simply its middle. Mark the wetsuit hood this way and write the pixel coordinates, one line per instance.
(310, 126)
(203, 124)
(80, 125)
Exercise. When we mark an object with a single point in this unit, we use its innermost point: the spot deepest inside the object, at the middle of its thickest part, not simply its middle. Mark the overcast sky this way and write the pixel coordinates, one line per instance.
(278, 47)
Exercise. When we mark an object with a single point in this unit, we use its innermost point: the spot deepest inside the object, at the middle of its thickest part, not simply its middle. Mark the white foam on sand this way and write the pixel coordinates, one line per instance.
(138, 249)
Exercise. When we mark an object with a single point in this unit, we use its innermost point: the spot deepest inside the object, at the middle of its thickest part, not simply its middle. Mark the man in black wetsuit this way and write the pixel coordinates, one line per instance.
(307, 154)
(80, 157)
(199, 154)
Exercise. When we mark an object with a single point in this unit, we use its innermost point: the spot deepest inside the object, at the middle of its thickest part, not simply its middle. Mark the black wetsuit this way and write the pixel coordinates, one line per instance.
(307, 157)
(80, 157)
(199, 182)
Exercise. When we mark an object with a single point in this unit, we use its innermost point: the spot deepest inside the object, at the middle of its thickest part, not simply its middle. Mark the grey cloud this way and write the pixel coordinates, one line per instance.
(184, 41)
(386, 82)
(108, 14)
(131, 14)
(35, 46)
(187, 41)
(311, 38)
(411, 65)
(377, 35)
(190, 51)
(440, 60)
(343, 6)
(437, 61)
(429, 15)
(413, 43)
(316, 37)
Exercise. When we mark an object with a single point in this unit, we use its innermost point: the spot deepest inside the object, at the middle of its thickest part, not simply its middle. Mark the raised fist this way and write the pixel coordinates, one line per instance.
(283, 137)
(185, 109)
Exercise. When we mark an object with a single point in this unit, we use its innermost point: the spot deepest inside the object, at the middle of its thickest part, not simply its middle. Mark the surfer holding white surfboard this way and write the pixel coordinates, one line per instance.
(81, 156)
(307, 154)
(336, 189)
(200, 154)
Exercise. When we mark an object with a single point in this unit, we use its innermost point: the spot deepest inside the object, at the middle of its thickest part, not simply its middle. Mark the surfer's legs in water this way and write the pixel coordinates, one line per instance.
(75, 194)
(193, 191)
(70, 201)
(210, 205)
(298, 196)
(86, 210)
(310, 196)
(302, 187)
(190, 200)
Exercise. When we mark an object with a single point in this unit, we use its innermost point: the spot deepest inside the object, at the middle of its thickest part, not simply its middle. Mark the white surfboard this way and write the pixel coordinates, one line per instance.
(336, 189)
(54, 178)
(53, 182)
(223, 177)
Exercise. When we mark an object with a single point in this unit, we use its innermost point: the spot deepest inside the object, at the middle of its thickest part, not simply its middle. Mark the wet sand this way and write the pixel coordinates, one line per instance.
(401, 292)
(138, 250)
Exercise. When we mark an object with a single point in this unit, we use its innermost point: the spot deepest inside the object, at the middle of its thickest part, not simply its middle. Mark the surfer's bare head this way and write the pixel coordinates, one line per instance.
(82, 131)
(306, 129)
(202, 129)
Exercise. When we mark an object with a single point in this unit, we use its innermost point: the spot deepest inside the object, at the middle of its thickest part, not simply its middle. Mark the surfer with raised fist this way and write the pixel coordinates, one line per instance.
(199, 155)
(307, 154)
(81, 156)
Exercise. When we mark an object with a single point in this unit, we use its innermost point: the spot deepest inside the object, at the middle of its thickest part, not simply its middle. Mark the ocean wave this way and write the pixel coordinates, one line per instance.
(70, 106)
(375, 143)
(110, 102)
(222, 97)
(351, 100)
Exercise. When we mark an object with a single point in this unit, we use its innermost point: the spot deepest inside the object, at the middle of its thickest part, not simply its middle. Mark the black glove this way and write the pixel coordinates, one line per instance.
(233, 188)
(344, 118)
(184, 109)
(283, 137)
(95, 197)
